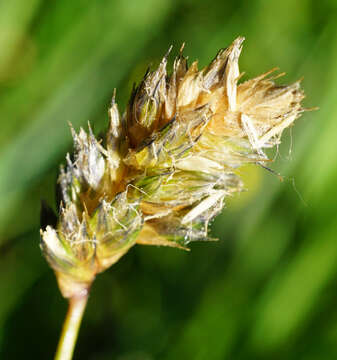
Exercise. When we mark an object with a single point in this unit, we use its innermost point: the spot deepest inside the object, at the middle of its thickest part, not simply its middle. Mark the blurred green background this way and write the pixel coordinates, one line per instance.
(267, 289)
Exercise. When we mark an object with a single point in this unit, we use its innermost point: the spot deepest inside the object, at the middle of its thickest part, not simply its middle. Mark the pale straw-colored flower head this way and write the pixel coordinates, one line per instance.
(165, 168)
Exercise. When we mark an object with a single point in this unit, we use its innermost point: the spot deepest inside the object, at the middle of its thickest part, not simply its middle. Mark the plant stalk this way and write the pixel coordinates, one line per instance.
(70, 328)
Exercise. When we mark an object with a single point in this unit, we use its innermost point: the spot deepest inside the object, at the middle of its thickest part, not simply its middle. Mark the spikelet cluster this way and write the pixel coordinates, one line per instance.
(165, 168)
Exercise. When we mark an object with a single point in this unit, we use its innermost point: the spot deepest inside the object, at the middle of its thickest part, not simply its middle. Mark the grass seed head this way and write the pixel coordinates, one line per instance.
(166, 166)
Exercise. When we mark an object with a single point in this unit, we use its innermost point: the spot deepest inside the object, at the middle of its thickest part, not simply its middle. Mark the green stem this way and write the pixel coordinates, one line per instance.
(70, 328)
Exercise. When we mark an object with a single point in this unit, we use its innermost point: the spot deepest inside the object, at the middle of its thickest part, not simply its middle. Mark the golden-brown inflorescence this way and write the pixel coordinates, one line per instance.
(165, 168)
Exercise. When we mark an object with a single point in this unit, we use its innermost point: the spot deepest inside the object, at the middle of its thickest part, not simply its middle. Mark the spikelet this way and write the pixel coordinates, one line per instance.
(166, 167)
